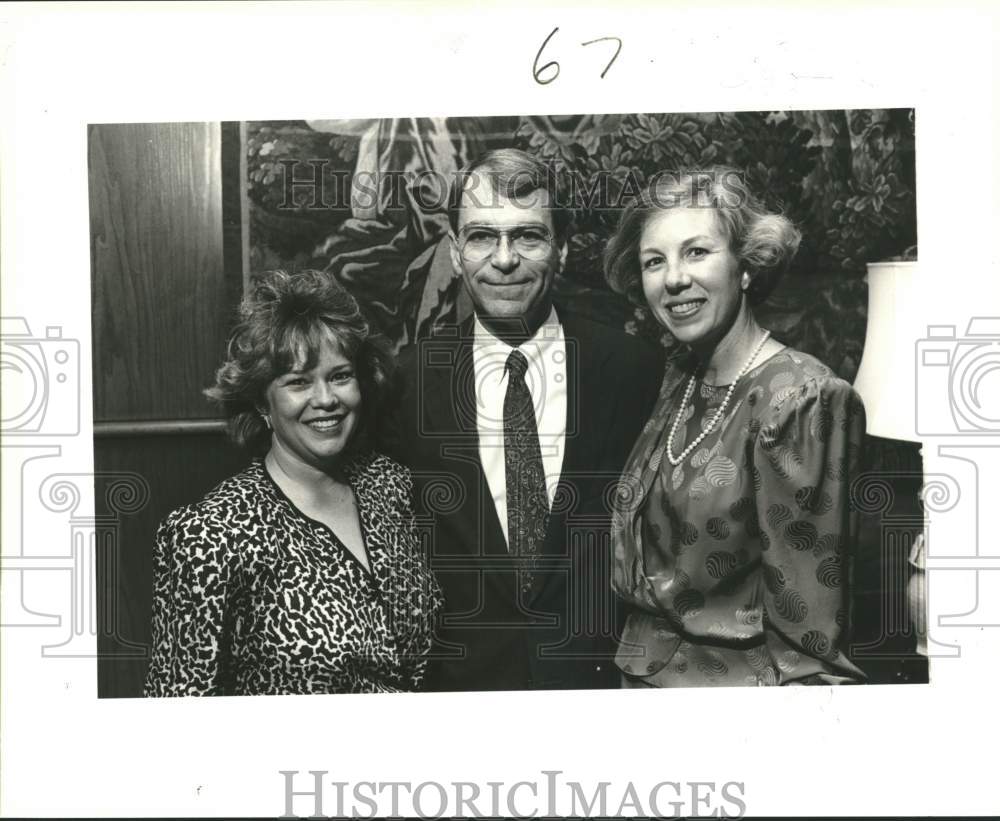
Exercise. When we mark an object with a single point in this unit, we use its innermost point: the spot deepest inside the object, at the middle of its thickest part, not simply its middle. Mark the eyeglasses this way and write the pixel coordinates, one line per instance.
(533, 242)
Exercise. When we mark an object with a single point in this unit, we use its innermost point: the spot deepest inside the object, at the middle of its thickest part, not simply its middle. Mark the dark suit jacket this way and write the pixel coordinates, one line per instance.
(566, 634)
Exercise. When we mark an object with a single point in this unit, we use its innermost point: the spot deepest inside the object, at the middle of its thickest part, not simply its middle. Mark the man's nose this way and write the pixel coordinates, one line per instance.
(505, 258)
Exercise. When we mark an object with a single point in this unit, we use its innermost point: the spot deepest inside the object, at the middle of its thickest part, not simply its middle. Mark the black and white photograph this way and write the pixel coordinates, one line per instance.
(515, 411)
(680, 302)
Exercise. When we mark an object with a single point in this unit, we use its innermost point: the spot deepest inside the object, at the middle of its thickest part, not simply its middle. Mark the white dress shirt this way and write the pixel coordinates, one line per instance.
(546, 380)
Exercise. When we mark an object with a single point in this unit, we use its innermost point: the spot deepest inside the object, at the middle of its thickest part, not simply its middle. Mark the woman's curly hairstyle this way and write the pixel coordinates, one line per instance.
(283, 321)
(764, 242)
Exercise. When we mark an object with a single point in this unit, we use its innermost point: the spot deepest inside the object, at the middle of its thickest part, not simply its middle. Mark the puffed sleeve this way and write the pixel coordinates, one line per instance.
(191, 577)
(804, 459)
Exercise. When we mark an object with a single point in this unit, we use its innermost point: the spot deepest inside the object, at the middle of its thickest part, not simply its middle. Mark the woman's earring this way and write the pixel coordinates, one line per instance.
(745, 282)
(267, 419)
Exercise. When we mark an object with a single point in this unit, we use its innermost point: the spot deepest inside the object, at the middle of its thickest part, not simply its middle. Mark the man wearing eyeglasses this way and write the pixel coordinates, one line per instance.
(516, 424)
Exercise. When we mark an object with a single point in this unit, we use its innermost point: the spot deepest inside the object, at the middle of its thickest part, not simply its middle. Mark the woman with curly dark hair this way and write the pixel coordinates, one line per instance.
(732, 529)
(303, 573)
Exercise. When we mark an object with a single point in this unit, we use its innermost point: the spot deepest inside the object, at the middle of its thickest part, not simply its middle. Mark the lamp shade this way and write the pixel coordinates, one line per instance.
(886, 376)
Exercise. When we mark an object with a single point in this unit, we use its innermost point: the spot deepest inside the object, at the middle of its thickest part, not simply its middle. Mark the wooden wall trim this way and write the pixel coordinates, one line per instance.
(235, 211)
(159, 427)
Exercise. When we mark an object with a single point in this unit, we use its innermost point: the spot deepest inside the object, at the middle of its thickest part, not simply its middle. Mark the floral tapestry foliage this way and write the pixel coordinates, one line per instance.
(286, 224)
(845, 178)
(866, 212)
(874, 212)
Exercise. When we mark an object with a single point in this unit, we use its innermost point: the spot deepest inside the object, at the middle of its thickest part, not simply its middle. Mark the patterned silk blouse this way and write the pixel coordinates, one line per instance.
(735, 562)
(252, 597)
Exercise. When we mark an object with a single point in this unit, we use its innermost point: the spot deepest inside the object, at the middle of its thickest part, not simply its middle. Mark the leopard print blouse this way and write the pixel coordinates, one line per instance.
(251, 597)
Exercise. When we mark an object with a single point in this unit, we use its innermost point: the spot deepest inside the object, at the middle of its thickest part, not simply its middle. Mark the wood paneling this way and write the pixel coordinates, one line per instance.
(235, 209)
(177, 470)
(161, 300)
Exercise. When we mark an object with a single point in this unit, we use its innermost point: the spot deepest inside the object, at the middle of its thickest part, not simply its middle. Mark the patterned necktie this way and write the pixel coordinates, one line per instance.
(527, 499)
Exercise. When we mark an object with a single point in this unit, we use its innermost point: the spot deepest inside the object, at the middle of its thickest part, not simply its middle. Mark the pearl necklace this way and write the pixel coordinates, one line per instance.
(689, 391)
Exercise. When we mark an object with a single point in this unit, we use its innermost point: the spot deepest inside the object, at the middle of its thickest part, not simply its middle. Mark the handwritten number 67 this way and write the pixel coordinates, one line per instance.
(553, 66)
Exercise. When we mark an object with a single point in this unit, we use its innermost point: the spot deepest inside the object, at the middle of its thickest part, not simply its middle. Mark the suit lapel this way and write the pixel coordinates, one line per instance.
(589, 399)
(449, 399)
(588, 413)
(449, 396)
(447, 388)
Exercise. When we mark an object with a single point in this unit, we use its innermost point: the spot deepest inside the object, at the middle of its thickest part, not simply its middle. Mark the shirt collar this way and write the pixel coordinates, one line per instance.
(486, 344)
